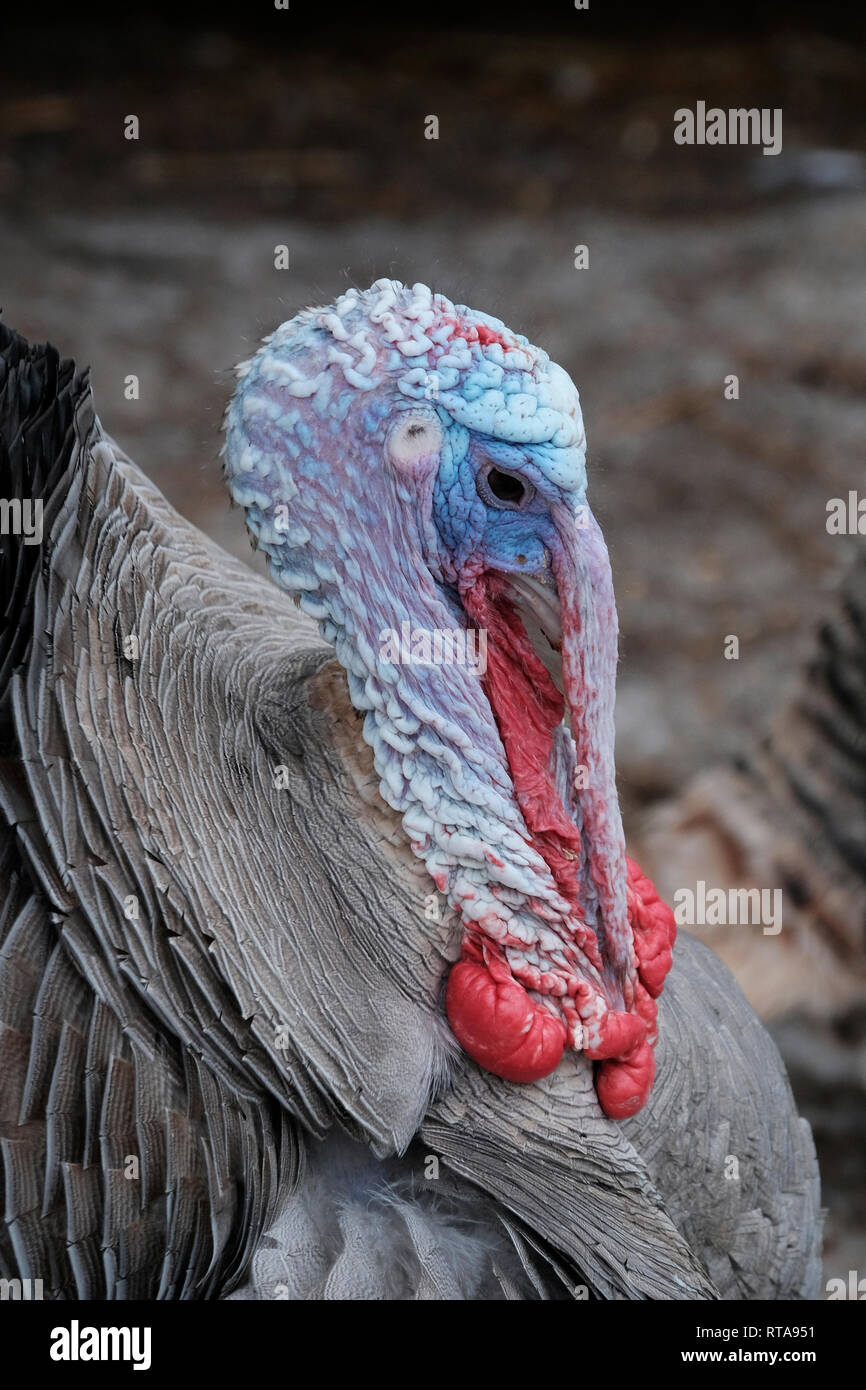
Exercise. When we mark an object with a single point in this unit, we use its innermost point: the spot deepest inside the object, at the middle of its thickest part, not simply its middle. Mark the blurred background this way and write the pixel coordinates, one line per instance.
(305, 128)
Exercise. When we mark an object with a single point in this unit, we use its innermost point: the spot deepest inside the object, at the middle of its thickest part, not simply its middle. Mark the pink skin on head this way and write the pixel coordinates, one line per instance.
(480, 332)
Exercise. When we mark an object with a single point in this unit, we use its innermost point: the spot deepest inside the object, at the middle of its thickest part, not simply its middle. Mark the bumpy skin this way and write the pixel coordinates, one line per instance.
(358, 441)
(280, 982)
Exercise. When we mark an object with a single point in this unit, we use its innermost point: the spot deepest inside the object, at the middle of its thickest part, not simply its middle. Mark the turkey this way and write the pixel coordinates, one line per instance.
(323, 971)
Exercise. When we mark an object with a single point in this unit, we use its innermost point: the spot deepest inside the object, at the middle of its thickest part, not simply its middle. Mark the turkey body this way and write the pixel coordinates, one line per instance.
(224, 1061)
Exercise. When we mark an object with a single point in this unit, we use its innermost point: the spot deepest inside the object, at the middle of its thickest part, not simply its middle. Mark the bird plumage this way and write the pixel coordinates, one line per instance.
(217, 977)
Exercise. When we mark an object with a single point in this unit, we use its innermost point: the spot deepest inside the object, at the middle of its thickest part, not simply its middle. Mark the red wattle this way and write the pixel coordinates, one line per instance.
(623, 1084)
(654, 930)
(496, 1022)
(620, 1032)
(491, 1014)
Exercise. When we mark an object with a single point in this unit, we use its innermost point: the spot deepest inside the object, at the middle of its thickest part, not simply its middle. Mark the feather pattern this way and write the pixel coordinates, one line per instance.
(223, 1055)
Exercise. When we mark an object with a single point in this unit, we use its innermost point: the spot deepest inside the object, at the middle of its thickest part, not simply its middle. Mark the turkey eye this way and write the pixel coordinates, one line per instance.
(504, 489)
(504, 486)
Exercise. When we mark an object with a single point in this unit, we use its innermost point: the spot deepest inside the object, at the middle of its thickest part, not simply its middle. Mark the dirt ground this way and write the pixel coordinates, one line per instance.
(155, 257)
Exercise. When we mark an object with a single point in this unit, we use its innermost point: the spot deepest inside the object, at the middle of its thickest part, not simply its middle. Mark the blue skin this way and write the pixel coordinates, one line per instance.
(505, 538)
